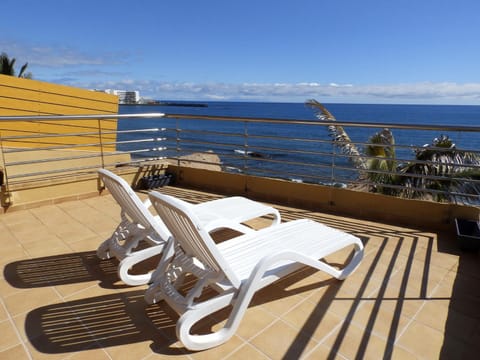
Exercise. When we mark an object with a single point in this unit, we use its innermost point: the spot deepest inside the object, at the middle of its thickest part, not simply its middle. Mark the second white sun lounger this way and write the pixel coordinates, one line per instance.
(236, 268)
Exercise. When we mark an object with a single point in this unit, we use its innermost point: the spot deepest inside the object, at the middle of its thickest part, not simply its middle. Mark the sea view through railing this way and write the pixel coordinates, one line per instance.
(277, 140)
(285, 140)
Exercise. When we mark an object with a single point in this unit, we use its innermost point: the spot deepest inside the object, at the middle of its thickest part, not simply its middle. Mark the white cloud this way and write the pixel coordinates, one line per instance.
(58, 56)
(426, 93)
(77, 68)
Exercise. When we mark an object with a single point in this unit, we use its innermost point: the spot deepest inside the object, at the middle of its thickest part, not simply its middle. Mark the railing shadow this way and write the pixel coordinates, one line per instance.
(63, 269)
(405, 248)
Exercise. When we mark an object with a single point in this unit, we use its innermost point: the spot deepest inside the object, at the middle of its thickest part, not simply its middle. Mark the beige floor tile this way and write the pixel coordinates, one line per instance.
(97, 354)
(127, 351)
(168, 353)
(51, 352)
(437, 315)
(275, 300)
(53, 246)
(32, 235)
(29, 299)
(313, 320)
(89, 243)
(398, 353)
(256, 319)
(3, 312)
(247, 351)
(7, 288)
(342, 306)
(382, 318)
(219, 352)
(281, 340)
(17, 352)
(353, 342)
(13, 252)
(71, 232)
(9, 337)
(422, 340)
(323, 352)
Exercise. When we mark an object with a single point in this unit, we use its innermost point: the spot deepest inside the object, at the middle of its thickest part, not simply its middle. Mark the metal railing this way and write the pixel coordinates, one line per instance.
(35, 148)
(294, 150)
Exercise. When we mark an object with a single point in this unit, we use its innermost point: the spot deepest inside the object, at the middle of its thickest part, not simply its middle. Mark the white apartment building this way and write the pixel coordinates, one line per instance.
(125, 96)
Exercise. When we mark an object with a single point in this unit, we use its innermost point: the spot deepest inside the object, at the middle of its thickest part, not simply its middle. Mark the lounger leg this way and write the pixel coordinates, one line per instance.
(123, 233)
(127, 263)
(194, 315)
(103, 250)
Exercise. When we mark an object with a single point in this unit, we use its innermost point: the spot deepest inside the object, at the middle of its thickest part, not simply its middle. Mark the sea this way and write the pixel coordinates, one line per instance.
(406, 140)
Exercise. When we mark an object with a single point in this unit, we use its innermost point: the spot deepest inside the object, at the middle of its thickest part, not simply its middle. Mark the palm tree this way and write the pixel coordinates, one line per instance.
(438, 166)
(381, 162)
(442, 167)
(7, 67)
(338, 134)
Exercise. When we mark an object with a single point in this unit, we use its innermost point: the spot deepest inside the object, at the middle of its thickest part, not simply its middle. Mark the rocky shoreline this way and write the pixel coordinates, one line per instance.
(207, 161)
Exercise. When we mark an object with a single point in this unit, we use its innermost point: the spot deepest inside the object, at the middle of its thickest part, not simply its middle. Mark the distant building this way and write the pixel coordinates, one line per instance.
(125, 96)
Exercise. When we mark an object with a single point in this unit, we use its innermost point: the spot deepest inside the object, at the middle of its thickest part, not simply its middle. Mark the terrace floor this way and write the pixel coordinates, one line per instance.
(414, 296)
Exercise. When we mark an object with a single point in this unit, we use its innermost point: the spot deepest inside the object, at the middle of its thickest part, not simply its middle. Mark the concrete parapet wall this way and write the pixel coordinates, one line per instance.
(327, 199)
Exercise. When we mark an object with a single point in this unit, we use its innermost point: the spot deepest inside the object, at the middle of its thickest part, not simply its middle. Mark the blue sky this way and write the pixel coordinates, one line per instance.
(354, 51)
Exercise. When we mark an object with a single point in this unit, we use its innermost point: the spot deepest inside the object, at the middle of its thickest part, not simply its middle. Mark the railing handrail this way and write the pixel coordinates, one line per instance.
(469, 128)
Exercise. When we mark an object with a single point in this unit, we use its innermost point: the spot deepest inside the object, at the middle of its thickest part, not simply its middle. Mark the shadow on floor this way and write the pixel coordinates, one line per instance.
(68, 269)
(125, 318)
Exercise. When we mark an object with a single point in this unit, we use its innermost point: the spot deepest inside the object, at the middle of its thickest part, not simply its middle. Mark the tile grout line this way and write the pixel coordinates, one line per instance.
(19, 337)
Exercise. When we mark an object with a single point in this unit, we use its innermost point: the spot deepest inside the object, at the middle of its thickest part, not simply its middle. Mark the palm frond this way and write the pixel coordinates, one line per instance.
(22, 70)
(338, 134)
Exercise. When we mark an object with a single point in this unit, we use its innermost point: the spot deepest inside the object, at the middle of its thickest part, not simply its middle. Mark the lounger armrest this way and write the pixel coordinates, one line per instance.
(219, 224)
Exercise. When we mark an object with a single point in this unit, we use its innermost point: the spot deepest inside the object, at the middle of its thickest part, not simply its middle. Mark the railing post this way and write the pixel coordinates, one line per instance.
(101, 142)
(177, 141)
(5, 198)
(245, 147)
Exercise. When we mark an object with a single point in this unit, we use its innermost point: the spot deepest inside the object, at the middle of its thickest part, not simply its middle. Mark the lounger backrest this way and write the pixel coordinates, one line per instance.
(188, 231)
(128, 200)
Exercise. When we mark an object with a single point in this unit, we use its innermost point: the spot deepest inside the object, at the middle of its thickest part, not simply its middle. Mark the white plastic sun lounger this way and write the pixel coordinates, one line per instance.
(136, 225)
(236, 268)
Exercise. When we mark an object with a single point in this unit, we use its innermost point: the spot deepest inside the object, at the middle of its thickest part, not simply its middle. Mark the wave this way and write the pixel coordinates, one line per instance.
(252, 153)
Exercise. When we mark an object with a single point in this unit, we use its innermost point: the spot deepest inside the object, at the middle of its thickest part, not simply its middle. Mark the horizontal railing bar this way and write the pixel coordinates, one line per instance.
(325, 123)
(41, 161)
(20, 150)
(330, 141)
(82, 134)
(99, 155)
(340, 155)
(135, 162)
(81, 117)
(252, 170)
(69, 171)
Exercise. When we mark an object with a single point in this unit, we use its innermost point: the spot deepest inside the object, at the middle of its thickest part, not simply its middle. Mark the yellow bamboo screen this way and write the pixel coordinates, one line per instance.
(23, 97)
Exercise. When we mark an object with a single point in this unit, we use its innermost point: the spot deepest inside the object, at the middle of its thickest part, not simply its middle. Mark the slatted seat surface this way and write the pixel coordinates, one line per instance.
(304, 236)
